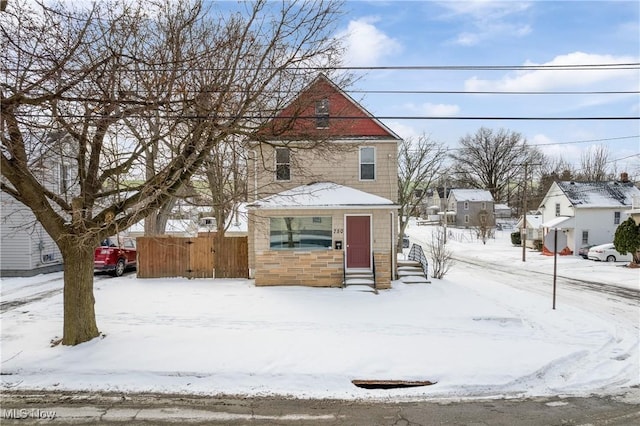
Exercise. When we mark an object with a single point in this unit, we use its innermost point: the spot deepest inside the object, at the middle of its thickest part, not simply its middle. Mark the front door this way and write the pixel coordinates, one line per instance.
(358, 242)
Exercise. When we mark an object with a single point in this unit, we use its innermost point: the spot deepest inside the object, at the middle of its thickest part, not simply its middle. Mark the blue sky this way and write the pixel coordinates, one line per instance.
(486, 33)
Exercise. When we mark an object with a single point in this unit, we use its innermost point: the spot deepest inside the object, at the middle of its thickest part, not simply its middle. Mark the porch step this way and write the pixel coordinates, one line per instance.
(412, 274)
(360, 278)
(402, 263)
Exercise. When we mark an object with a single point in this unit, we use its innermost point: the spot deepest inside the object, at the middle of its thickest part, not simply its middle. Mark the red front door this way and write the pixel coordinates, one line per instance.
(358, 242)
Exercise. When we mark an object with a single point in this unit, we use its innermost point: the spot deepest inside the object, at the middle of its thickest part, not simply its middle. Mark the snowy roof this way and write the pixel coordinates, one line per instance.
(563, 222)
(599, 194)
(471, 195)
(173, 227)
(533, 221)
(503, 207)
(321, 195)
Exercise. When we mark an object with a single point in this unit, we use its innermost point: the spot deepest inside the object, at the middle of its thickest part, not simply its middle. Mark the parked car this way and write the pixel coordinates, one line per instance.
(584, 251)
(115, 255)
(608, 253)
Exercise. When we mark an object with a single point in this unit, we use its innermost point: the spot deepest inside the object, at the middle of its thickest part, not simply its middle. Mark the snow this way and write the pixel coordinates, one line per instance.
(471, 195)
(487, 330)
(321, 194)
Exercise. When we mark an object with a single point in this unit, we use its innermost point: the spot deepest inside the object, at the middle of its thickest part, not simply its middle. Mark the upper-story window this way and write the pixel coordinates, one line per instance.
(283, 164)
(65, 178)
(322, 114)
(367, 163)
(483, 206)
(466, 205)
(616, 218)
(557, 209)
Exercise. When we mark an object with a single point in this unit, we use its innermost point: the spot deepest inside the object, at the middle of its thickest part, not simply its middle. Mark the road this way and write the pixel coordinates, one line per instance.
(153, 409)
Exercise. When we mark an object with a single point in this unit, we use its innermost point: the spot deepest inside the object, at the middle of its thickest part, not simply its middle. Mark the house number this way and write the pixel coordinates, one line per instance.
(337, 230)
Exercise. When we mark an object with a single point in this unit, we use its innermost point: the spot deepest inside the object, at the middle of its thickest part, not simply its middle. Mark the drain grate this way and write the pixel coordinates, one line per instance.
(391, 384)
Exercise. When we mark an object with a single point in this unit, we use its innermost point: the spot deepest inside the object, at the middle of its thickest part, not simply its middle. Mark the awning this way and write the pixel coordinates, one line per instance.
(561, 222)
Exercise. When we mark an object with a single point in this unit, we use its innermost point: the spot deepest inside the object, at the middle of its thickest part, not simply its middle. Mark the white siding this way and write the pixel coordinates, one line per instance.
(24, 245)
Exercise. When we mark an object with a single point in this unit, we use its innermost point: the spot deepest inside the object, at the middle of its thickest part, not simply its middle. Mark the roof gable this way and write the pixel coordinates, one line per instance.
(471, 195)
(347, 118)
(599, 194)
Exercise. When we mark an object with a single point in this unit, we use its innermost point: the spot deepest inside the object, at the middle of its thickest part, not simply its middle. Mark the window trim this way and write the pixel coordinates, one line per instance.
(313, 221)
(466, 218)
(617, 216)
(585, 237)
(322, 113)
(360, 163)
(465, 205)
(288, 164)
(557, 209)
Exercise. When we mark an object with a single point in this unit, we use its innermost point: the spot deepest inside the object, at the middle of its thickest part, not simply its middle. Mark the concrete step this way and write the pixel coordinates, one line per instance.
(408, 263)
(415, 280)
(411, 273)
(361, 288)
(359, 281)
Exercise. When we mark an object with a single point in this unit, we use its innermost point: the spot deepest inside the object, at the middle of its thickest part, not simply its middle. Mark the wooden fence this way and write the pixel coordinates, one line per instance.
(197, 257)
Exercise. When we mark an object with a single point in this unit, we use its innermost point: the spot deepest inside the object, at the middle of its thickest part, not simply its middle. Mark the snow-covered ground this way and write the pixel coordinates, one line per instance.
(486, 330)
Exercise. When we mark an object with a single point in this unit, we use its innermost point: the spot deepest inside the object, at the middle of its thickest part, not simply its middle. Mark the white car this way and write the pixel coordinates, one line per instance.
(608, 253)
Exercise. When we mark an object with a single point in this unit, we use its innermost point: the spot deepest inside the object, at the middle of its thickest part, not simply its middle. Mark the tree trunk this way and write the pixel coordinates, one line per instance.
(79, 313)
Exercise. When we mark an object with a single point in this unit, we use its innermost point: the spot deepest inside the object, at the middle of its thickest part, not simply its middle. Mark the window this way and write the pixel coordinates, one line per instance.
(484, 205)
(466, 218)
(367, 163)
(322, 114)
(616, 218)
(65, 178)
(300, 233)
(466, 205)
(557, 209)
(585, 237)
(283, 164)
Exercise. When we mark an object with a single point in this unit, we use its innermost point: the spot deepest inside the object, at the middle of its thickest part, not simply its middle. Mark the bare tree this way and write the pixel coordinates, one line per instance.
(492, 160)
(86, 75)
(420, 163)
(594, 164)
(441, 256)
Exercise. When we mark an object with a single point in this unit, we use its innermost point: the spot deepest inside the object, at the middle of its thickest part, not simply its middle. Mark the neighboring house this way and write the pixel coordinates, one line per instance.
(635, 209)
(174, 228)
(319, 211)
(25, 248)
(471, 208)
(534, 229)
(588, 212)
(502, 211)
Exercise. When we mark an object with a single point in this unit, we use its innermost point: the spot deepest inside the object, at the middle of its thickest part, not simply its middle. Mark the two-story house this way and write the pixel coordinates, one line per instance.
(471, 208)
(587, 212)
(323, 193)
(26, 249)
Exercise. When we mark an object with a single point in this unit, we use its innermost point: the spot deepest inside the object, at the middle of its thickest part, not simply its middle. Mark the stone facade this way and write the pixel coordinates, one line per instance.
(384, 268)
(318, 268)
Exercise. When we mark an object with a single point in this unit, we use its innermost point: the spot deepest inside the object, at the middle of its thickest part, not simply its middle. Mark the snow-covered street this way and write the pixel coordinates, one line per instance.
(486, 330)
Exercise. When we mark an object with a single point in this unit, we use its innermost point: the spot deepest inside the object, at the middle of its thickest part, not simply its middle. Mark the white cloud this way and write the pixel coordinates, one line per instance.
(489, 18)
(433, 110)
(365, 44)
(541, 80)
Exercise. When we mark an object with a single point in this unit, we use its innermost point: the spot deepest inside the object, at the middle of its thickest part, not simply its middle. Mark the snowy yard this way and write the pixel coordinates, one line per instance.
(480, 332)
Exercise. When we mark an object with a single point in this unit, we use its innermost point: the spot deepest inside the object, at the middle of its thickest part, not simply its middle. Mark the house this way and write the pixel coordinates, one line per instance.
(534, 229)
(502, 211)
(635, 209)
(319, 211)
(26, 249)
(471, 208)
(587, 212)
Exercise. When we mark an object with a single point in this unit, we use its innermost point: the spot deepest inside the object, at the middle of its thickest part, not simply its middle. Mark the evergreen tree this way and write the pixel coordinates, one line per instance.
(627, 239)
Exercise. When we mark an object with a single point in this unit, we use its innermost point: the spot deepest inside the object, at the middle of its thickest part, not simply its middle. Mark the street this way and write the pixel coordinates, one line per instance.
(90, 408)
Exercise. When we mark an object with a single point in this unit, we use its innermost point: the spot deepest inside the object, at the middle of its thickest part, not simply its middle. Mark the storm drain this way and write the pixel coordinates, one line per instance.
(391, 384)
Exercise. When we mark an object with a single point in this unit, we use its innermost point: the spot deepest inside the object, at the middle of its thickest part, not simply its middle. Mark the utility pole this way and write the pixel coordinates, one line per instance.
(446, 205)
(524, 215)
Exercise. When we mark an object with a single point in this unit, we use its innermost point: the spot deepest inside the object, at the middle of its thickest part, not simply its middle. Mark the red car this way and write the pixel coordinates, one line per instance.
(115, 255)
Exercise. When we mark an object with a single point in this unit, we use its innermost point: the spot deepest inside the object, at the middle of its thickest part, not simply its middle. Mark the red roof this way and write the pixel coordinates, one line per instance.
(347, 118)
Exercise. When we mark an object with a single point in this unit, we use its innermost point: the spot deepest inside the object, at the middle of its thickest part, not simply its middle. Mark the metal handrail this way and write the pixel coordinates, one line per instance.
(373, 259)
(417, 254)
